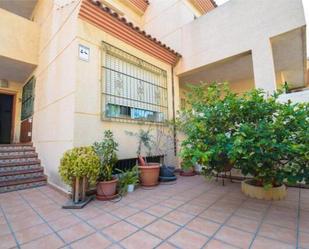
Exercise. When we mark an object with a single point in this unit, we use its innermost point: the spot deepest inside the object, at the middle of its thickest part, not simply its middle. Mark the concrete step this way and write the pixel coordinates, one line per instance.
(5, 147)
(13, 161)
(20, 165)
(13, 185)
(20, 155)
(21, 174)
(17, 151)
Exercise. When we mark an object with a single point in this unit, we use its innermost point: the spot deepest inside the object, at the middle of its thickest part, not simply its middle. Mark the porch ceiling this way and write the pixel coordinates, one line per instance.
(22, 8)
(231, 69)
(13, 70)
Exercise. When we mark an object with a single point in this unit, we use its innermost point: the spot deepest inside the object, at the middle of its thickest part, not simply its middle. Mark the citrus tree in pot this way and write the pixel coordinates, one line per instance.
(271, 145)
(208, 124)
(149, 171)
(106, 150)
(78, 168)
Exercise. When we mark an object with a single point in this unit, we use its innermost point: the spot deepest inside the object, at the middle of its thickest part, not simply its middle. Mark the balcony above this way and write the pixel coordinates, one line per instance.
(19, 46)
(18, 7)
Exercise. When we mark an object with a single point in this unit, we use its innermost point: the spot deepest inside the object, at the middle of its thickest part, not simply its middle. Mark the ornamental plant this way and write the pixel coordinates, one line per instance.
(272, 142)
(78, 163)
(127, 177)
(208, 125)
(265, 139)
(106, 151)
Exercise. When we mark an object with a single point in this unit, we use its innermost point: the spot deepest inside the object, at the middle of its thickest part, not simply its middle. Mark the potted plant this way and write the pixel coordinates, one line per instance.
(106, 150)
(271, 145)
(149, 172)
(128, 180)
(208, 124)
(78, 167)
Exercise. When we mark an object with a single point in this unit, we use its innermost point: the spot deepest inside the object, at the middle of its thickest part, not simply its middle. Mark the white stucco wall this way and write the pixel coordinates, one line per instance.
(53, 120)
(233, 28)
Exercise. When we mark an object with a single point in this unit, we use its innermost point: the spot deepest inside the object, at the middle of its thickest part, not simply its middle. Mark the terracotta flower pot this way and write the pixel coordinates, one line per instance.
(107, 189)
(149, 174)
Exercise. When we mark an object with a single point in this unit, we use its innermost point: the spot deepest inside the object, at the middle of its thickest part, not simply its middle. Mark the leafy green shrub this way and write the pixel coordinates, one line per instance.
(272, 144)
(208, 123)
(106, 150)
(260, 136)
(79, 162)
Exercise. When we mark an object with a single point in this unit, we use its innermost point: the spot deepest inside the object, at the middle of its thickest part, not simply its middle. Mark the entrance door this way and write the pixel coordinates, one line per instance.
(6, 113)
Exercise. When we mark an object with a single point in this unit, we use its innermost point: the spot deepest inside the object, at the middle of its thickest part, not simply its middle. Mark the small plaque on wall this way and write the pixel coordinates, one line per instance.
(83, 52)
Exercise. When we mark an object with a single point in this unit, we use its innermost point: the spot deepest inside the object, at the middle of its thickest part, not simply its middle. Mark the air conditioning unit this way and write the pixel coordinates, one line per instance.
(4, 83)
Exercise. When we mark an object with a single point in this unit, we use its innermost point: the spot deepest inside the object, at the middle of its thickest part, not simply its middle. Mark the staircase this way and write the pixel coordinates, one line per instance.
(20, 167)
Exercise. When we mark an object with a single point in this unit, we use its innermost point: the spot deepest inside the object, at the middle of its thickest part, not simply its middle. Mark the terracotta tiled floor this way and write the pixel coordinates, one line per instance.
(192, 213)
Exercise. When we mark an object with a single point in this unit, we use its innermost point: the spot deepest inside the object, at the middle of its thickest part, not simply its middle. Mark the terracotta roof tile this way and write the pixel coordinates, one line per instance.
(131, 25)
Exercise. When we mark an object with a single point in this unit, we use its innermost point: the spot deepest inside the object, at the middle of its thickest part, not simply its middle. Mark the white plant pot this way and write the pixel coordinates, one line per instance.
(130, 188)
(198, 167)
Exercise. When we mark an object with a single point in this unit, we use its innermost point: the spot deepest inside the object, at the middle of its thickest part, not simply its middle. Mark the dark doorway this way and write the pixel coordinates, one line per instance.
(6, 112)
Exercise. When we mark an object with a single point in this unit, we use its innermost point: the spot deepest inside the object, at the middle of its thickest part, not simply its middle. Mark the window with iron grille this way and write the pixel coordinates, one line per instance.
(28, 99)
(132, 88)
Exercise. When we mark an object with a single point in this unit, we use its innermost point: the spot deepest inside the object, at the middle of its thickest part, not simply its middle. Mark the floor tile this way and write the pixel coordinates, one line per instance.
(263, 243)
(216, 244)
(64, 222)
(166, 245)
(141, 219)
(124, 212)
(51, 241)
(94, 241)
(75, 232)
(32, 233)
(304, 240)
(162, 228)
(188, 239)
(7, 241)
(278, 233)
(215, 215)
(191, 209)
(140, 239)
(4, 229)
(242, 223)
(103, 220)
(178, 217)
(119, 230)
(234, 237)
(158, 210)
(203, 226)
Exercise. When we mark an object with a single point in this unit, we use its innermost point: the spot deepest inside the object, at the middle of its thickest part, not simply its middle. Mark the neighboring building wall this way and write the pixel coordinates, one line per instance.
(163, 19)
(53, 120)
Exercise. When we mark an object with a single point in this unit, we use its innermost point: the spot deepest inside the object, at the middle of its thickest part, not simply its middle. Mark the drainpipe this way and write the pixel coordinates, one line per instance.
(174, 113)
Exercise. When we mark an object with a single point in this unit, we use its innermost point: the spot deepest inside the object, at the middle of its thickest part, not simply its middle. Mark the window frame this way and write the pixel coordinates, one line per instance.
(25, 115)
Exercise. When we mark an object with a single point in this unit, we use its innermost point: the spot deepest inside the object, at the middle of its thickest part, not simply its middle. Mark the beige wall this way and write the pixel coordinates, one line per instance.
(19, 38)
(53, 120)
(88, 124)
